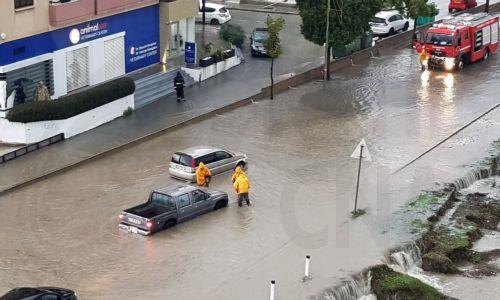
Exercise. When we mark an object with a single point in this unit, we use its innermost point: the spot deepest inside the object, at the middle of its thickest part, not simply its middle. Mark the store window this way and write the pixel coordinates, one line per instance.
(176, 41)
(22, 3)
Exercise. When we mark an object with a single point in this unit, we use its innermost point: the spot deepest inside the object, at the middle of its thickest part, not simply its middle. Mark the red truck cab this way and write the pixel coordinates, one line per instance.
(459, 5)
(456, 41)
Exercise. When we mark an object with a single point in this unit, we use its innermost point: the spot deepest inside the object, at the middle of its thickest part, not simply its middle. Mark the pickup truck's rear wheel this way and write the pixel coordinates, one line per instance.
(220, 204)
(169, 223)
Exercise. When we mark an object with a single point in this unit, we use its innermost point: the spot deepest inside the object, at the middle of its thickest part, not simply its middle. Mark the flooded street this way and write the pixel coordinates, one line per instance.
(63, 231)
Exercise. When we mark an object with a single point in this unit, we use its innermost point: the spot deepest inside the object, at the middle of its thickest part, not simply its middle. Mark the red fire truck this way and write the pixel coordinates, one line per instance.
(453, 42)
(460, 5)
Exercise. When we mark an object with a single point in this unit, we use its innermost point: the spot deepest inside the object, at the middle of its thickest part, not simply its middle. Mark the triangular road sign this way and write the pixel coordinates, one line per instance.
(357, 151)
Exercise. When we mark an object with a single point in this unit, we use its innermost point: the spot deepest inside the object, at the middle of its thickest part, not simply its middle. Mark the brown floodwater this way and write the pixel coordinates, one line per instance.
(63, 231)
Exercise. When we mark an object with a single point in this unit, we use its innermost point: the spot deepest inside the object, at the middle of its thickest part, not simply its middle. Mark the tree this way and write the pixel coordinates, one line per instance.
(233, 34)
(273, 43)
(348, 20)
(413, 9)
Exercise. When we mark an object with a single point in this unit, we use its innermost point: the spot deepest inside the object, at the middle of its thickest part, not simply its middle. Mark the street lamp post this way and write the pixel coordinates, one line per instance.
(327, 48)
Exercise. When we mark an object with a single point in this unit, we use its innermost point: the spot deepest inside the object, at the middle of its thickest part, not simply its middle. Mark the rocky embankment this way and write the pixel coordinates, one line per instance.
(456, 219)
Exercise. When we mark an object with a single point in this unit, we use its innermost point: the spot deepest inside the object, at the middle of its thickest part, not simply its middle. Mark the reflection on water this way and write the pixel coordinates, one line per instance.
(425, 78)
(449, 91)
(449, 80)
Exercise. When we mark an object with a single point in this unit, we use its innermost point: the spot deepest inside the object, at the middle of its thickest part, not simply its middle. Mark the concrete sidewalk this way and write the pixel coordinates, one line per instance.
(217, 92)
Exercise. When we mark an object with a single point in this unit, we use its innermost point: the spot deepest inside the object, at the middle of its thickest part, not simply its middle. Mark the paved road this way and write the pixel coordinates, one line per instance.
(63, 231)
(298, 54)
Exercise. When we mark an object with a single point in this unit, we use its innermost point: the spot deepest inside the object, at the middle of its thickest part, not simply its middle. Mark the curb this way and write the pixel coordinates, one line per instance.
(264, 11)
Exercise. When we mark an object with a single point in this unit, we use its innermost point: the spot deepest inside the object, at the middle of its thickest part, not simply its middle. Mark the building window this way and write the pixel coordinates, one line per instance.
(22, 3)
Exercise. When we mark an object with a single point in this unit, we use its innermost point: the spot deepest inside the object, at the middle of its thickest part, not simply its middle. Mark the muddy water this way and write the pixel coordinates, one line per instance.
(63, 231)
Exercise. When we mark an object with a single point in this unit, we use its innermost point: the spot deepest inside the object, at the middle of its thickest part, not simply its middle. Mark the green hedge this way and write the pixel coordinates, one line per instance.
(73, 104)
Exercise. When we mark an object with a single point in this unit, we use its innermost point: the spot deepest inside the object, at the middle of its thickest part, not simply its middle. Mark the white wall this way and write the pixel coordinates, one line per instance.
(190, 37)
(20, 133)
(212, 70)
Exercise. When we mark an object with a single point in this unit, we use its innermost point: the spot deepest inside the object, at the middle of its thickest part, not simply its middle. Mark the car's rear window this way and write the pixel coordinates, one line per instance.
(163, 200)
(378, 20)
(261, 36)
(223, 10)
(182, 159)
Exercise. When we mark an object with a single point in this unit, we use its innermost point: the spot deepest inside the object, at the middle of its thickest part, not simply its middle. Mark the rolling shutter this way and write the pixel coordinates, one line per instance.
(114, 58)
(77, 68)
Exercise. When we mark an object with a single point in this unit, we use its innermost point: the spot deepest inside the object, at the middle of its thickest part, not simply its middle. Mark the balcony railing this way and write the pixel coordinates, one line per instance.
(109, 6)
(64, 12)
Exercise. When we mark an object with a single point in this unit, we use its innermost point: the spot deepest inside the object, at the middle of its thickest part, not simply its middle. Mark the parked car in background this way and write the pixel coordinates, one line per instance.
(169, 206)
(39, 293)
(257, 39)
(184, 163)
(215, 14)
(388, 22)
(459, 5)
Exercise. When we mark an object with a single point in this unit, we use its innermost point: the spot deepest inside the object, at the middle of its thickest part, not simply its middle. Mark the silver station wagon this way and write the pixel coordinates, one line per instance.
(184, 163)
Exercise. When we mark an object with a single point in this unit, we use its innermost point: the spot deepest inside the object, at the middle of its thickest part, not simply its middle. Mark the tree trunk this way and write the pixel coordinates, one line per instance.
(272, 79)
(487, 7)
(328, 63)
(414, 31)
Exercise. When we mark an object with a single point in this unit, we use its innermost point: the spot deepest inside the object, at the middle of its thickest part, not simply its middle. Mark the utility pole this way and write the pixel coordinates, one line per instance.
(203, 11)
(203, 22)
(327, 47)
(487, 7)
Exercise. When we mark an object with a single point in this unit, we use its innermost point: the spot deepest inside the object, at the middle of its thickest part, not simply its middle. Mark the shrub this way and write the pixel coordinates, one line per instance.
(233, 34)
(74, 104)
(128, 112)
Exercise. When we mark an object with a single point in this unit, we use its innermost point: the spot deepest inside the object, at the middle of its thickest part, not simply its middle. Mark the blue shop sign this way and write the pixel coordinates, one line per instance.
(141, 28)
(190, 53)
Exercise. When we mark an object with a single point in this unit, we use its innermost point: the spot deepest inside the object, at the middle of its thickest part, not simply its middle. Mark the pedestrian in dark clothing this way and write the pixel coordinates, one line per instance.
(20, 95)
(179, 86)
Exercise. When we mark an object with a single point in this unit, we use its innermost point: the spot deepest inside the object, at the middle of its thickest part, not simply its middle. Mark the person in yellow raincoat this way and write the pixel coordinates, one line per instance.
(203, 175)
(237, 172)
(422, 58)
(242, 186)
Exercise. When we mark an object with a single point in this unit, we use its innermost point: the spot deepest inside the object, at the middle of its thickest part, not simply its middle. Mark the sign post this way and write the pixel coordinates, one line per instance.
(361, 153)
(190, 52)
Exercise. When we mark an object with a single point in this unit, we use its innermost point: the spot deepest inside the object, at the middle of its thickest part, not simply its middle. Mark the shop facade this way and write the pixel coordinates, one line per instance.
(74, 57)
(177, 26)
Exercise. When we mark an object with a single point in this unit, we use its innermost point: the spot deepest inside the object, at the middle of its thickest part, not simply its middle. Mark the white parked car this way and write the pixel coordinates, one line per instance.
(389, 22)
(215, 14)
